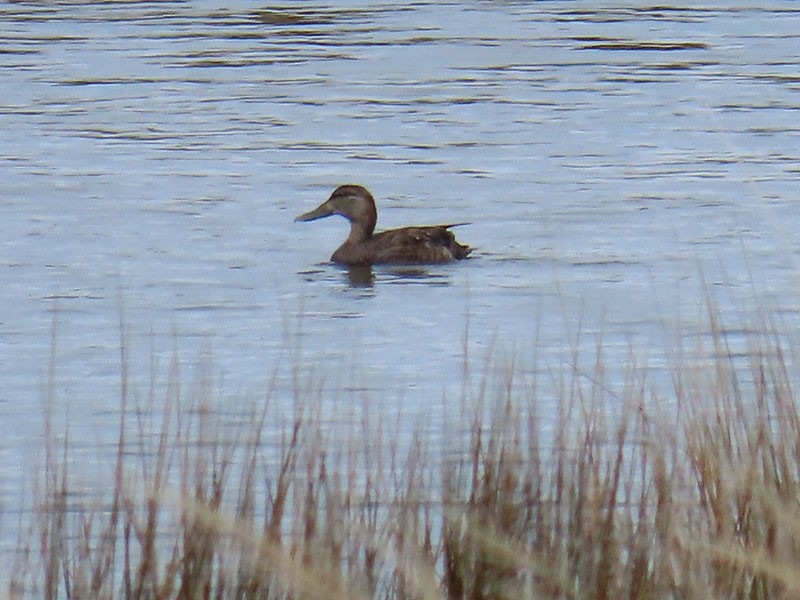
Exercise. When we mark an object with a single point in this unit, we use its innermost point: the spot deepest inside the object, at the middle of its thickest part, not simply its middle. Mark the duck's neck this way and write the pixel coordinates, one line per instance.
(360, 232)
(362, 222)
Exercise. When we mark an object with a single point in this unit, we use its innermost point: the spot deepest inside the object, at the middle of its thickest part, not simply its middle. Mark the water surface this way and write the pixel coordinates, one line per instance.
(618, 164)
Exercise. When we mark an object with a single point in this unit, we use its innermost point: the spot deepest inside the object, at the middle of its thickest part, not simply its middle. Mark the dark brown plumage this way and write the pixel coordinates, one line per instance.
(430, 244)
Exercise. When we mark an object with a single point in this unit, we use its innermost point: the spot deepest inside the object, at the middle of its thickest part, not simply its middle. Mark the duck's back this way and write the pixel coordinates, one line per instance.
(408, 245)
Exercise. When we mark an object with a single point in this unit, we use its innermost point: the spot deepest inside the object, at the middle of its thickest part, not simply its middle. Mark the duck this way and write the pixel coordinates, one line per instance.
(429, 244)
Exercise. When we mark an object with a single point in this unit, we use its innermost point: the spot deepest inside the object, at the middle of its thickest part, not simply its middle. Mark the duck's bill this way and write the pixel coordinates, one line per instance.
(318, 213)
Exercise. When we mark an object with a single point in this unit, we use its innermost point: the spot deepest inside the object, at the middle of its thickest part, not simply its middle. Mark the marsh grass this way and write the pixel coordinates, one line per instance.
(627, 492)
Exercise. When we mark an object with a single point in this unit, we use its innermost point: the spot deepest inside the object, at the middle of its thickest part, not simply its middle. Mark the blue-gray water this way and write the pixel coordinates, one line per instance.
(617, 163)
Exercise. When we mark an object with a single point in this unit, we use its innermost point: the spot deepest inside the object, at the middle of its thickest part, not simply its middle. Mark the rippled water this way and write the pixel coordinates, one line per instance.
(616, 163)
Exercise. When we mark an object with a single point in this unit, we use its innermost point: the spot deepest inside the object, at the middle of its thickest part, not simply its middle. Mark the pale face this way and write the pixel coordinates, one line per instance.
(350, 201)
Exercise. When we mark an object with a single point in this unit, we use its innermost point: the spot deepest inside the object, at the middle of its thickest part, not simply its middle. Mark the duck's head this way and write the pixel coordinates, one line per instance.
(353, 202)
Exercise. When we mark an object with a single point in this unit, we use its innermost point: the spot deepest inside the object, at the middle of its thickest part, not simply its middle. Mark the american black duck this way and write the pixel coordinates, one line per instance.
(431, 244)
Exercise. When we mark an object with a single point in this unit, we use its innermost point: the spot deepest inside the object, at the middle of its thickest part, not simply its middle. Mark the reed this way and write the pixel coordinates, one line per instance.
(626, 492)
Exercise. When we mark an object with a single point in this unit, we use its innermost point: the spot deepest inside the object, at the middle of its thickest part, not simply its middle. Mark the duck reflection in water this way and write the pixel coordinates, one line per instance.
(427, 245)
(360, 276)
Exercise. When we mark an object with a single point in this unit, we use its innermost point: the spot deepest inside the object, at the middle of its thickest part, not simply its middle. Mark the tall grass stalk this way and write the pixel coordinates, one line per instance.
(624, 492)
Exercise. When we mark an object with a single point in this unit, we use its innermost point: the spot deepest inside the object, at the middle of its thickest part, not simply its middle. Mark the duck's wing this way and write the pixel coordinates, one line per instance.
(430, 244)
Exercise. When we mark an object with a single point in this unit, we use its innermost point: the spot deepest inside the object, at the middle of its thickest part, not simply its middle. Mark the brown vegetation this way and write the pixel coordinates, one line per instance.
(692, 494)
